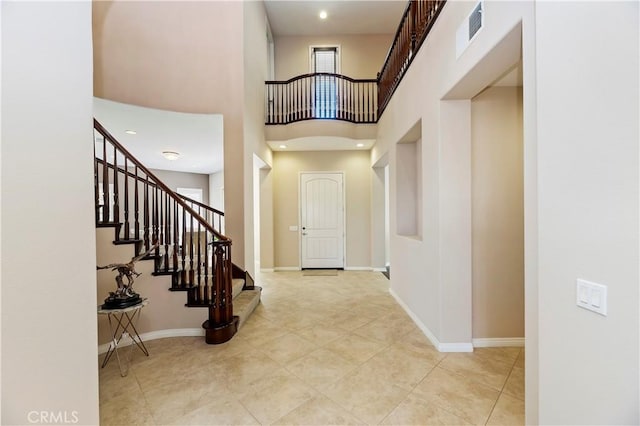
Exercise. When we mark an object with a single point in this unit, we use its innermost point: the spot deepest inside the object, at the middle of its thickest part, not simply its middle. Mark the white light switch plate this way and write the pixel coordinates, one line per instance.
(293, 228)
(591, 296)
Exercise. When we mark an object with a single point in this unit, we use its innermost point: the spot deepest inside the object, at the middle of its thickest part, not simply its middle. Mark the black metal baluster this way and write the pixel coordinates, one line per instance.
(136, 206)
(96, 185)
(127, 231)
(183, 252)
(116, 195)
(167, 228)
(175, 237)
(106, 209)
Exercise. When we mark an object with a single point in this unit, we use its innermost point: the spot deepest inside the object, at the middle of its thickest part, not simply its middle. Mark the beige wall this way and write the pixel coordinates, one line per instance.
(498, 216)
(588, 210)
(378, 215)
(49, 341)
(169, 55)
(361, 56)
(266, 219)
(165, 54)
(255, 69)
(357, 178)
(216, 190)
(432, 277)
(580, 194)
(165, 311)
(175, 180)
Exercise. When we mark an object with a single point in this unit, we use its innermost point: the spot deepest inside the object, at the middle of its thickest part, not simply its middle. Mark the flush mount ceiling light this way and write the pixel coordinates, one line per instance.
(170, 155)
(283, 146)
(323, 14)
(130, 132)
(360, 145)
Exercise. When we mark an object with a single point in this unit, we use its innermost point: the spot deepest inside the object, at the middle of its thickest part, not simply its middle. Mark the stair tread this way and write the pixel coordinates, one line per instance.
(236, 287)
(127, 241)
(246, 303)
(107, 224)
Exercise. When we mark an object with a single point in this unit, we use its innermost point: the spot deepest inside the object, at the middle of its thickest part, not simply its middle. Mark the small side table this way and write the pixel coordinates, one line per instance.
(122, 323)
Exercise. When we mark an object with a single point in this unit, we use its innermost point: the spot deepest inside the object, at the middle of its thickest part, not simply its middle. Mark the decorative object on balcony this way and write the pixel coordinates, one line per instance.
(124, 296)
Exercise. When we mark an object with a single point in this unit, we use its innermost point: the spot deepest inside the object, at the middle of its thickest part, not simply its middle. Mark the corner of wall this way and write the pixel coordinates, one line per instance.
(440, 346)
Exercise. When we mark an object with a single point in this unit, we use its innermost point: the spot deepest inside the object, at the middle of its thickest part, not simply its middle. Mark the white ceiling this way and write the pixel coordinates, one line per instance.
(321, 143)
(197, 137)
(300, 17)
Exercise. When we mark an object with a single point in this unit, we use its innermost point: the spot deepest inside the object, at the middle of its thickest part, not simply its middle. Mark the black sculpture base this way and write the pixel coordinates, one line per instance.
(114, 302)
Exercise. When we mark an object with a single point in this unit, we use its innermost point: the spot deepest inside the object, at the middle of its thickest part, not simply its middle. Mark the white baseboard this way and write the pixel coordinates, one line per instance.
(379, 269)
(497, 342)
(442, 347)
(286, 268)
(158, 334)
(358, 268)
(455, 347)
(267, 270)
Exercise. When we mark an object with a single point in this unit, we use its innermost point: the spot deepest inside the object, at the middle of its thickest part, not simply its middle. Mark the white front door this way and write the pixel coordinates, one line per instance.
(322, 220)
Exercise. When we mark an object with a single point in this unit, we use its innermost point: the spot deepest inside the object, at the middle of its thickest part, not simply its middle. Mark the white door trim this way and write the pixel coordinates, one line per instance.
(344, 213)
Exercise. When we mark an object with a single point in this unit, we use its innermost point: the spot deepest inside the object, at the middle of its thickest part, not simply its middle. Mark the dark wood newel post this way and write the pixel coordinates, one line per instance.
(106, 199)
(227, 283)
(221, 325)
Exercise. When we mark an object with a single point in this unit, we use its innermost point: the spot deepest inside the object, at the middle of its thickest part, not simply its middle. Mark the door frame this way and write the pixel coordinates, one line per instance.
(344, 214)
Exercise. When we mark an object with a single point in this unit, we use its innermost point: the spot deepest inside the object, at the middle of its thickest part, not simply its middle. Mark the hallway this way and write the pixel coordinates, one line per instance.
(319, 350)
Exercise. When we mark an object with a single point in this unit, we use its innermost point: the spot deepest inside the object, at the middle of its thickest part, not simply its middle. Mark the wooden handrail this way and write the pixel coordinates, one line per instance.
(395, 38)
(214, 212)
(290, 101)
(123, 171)
(322, 74)
(416, 22)
(199, 204)
(158, 182)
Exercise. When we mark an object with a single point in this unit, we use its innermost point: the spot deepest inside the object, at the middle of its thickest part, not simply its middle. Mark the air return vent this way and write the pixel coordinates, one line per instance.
(475, 20)
(469, 28)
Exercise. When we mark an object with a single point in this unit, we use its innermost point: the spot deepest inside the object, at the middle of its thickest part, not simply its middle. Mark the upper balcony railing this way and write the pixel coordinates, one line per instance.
(321, 95)
(334, 96)
(417, 20)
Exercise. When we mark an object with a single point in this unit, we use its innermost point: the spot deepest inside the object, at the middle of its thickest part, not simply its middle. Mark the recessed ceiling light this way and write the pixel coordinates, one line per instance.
(130, 132)
(323, 14)
(283, 146)
(171, 155)
(360, 145)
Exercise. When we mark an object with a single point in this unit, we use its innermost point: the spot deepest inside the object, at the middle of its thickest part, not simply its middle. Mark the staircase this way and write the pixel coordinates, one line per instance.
(189, 244)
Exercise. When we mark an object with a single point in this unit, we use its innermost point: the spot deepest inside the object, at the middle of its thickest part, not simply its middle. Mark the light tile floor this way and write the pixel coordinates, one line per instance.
(317, 351)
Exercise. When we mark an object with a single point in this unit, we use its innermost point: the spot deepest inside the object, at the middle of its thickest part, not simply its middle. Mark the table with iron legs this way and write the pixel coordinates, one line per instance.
(122, 324)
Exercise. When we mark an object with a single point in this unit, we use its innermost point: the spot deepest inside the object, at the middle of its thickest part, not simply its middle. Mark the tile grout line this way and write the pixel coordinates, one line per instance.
(326, 302)
(502, 389)
(431, 402)
(245, 408)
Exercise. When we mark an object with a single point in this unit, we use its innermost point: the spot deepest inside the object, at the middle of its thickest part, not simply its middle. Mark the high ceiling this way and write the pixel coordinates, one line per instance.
(198, 137)
(300, 17)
